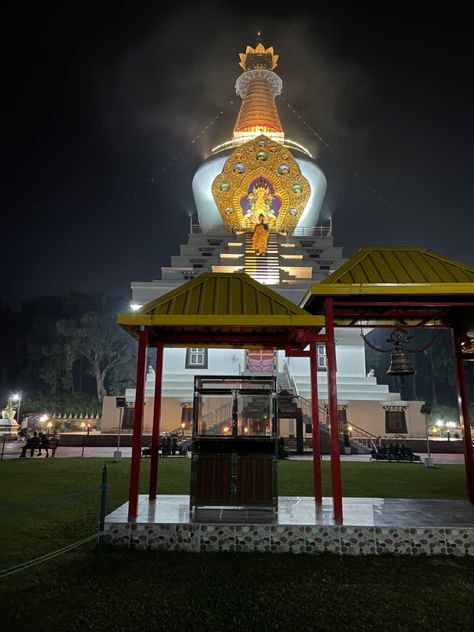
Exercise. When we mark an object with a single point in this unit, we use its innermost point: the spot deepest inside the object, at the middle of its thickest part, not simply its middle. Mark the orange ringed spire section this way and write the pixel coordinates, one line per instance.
(258, 86)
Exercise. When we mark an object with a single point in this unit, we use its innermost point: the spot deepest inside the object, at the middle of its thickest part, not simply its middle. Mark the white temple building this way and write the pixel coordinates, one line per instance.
(259, 172)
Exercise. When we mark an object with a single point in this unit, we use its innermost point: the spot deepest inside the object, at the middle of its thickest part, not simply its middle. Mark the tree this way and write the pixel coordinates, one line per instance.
(107, 349)
(7, 343)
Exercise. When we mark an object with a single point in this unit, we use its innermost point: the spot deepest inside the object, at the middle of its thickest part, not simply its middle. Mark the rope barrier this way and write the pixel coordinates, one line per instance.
(44, 558)
(65, 549)
(84, 492)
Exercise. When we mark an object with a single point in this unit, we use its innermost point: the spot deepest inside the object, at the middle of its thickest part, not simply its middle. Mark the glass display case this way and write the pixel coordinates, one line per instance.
(234, 450)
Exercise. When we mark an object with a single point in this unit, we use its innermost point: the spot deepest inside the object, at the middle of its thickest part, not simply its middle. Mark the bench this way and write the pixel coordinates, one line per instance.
(146, 452)
(394, 453)
(52, 446)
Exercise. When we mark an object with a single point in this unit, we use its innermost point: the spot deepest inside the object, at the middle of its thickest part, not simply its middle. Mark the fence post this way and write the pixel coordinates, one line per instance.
(3, 447)
(103, 499)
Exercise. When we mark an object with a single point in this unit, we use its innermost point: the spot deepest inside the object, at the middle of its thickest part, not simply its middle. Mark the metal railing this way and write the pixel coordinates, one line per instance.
(220, 230)
(290, 378)
(362, 436)
(305, 405)
(212, 420)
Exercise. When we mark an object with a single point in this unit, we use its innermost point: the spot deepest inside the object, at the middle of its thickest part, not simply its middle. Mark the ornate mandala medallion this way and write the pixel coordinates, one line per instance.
(261, 177)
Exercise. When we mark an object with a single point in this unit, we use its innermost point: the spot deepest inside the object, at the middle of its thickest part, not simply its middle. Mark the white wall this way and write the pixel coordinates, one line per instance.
(220, 362)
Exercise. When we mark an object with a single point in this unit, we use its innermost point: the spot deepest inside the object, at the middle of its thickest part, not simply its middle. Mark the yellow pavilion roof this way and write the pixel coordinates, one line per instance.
(377, 275)
(216, 302)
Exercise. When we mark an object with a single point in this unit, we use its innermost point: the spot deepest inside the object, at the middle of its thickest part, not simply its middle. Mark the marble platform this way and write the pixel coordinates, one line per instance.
(371, 526)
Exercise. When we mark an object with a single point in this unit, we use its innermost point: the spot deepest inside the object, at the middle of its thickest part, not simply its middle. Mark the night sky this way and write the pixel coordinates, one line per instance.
(99, 98)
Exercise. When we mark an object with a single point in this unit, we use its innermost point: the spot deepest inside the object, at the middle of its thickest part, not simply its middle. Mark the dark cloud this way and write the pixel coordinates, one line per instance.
(103, 104)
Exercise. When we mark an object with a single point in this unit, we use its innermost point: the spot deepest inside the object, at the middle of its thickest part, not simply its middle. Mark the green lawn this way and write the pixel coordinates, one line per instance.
(129, 590)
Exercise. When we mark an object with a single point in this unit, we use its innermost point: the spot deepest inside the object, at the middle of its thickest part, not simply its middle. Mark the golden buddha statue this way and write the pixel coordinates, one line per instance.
(260, 236)
(260, 199)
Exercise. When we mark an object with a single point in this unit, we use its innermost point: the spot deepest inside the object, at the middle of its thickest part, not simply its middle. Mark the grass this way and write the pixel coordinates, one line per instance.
(130, 590)
(127, 590)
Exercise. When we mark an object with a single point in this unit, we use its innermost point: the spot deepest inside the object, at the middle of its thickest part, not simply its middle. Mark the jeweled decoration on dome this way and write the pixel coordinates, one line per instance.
(261, 177)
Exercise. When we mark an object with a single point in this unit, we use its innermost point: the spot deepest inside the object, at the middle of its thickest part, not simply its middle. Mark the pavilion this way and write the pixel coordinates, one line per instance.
(414, 287)
(378, 287)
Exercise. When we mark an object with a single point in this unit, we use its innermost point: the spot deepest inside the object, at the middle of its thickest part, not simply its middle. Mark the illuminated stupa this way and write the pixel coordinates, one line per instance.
(258, 151)
(259, 171)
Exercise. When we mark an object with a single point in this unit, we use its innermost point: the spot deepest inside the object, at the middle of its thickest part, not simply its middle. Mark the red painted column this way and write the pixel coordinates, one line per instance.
(155, 433)
(332, 401)
(137, 425)
(317, 485)
(463, 405)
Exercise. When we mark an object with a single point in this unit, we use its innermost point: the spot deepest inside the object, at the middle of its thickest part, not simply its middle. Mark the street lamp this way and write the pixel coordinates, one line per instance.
(43, 419)
(120, 403)
(426, 410)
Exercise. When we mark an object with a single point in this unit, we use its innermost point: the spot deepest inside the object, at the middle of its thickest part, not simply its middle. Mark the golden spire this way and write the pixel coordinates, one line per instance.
(258, 57)
(258, 85)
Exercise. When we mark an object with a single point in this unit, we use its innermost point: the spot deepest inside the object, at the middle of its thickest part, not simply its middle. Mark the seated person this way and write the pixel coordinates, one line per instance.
(31, 444)
(43, 443)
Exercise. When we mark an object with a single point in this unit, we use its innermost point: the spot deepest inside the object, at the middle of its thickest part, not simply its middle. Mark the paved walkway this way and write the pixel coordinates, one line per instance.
(13, 449)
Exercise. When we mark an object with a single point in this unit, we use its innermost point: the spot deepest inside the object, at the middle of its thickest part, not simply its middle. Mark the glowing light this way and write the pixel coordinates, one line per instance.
(44, 417)
(450, 424)
(227, 268)
(246, 430)
(293, 143)
(225, 429)
(16, 397)
(228, 143)
(440, 423)
(135, 306)
(246, 137)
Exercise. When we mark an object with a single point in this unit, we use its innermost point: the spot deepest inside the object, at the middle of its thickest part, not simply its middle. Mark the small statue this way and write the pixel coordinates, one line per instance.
(260, 199)
(260, 236)
(151, 375)
(9, 411)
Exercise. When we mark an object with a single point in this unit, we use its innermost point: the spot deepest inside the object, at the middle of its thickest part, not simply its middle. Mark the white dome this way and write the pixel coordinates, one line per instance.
(207, 210)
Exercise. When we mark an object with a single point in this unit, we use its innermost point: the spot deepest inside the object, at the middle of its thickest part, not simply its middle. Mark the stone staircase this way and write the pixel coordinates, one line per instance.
(263, 268)
(291, 406)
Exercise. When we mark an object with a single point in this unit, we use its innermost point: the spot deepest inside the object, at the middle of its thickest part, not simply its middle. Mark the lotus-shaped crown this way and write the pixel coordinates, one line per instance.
(258, 57)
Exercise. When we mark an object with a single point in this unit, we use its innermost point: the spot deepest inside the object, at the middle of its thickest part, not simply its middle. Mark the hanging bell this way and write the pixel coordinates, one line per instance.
(399, 363)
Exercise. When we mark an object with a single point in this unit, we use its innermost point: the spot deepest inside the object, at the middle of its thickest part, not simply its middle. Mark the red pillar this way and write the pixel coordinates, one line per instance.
(332, 401)
(317, 486)
(137, 425)
(155, 435)
(463, 406)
